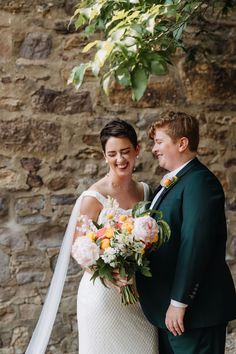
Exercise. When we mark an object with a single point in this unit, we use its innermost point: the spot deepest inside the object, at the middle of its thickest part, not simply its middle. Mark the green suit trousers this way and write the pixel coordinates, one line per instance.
(208, 340)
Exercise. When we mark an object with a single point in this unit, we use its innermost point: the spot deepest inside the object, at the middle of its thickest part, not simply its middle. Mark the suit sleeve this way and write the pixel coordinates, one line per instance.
(203, 210)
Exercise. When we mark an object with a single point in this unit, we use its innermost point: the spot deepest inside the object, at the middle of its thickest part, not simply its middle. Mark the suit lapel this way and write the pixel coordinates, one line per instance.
(180, 174)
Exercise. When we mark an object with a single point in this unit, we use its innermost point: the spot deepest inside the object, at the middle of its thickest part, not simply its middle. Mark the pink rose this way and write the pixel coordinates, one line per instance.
(85, 251)
(145, 229)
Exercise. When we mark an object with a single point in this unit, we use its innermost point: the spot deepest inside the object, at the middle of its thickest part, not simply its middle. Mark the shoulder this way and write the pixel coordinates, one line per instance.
(92, 198)
(204, 181)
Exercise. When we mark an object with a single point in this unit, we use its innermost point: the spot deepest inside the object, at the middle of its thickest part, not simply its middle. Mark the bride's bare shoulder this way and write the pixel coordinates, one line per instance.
(100, 186)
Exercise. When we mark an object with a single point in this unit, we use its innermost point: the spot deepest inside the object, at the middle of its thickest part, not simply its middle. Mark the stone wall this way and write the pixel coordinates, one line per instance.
(50, 151)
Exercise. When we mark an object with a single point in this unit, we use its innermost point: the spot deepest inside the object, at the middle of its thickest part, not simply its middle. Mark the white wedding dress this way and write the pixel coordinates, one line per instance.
(105, 325)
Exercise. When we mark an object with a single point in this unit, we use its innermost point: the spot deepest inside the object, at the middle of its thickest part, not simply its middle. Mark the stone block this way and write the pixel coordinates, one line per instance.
(30, 164)
(4, 266)
(70, 6)
(57, 183)
(61, 102)
(4, 205)
(29, 135)
(24, 6)
(6, 45)
(89, 153)
(209, 81)
(8, 237)
(6, 293)
(10, 104)
(33, 219)
(47, 237)
(34, 180)
(63, 199)
(36, 45)
(5, 19)
(30, 276)
(30, 205)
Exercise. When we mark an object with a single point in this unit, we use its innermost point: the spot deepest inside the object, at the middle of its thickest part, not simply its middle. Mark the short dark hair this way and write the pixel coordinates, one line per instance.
(178, 125)
(118, 128)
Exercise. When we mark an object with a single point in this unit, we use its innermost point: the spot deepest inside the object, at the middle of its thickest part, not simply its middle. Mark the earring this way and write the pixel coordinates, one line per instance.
(106, 161)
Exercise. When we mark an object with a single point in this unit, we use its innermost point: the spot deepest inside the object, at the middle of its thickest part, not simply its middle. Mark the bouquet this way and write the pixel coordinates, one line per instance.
(120, 244)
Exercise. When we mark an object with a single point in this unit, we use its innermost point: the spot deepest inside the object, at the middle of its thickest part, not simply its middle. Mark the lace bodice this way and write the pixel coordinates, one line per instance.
(104, 201)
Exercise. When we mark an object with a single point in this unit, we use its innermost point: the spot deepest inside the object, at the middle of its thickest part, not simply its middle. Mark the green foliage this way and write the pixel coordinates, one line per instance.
(140, 38)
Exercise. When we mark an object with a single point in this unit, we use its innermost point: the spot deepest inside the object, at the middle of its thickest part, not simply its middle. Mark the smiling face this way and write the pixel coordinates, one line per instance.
(120, 155)
(168, 152)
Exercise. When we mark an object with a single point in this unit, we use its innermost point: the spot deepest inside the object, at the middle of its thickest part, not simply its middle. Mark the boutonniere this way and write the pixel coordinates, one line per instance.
(167, 182)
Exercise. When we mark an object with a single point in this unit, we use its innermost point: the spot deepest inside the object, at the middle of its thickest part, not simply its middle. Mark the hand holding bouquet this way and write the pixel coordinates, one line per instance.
(119, 244)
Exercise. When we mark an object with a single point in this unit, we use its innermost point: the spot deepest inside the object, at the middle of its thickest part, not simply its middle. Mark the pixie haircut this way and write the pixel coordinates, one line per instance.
(178, 125)
(118, 128)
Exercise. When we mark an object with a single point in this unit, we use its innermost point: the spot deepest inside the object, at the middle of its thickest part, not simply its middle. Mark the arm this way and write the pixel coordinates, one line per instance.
(90, 207)
(203, 209)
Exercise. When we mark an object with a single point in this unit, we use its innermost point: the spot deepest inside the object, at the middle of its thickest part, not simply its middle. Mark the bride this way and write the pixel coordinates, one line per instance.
(104, 324)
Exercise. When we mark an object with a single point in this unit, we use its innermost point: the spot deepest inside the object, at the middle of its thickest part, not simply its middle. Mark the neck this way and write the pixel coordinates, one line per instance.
(119, 182)
(183, 160)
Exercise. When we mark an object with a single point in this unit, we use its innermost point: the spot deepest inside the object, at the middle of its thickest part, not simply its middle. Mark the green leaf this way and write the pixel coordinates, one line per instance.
(146, 271)
(122, 271)
(139, 80)
(122, 76)
(80, 21)
(158, 68)
(77, 74)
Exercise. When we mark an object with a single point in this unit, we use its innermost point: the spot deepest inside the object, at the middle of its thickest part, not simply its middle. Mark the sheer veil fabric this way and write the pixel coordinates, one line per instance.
(41, 335)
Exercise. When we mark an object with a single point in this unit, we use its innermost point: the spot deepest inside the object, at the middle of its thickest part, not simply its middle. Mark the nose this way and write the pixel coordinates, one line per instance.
(154, 148)
(120, 157)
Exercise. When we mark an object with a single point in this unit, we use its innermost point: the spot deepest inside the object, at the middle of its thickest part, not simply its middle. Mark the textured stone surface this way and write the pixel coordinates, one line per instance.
(4, 265)
(47, 100)
(36, 45)
(30, 135)
(50, 150)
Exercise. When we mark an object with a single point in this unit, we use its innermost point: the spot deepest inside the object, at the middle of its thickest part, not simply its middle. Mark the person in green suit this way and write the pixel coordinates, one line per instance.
(190, 296)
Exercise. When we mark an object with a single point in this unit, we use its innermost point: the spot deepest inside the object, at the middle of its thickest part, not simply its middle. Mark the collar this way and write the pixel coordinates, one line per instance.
(171, 174)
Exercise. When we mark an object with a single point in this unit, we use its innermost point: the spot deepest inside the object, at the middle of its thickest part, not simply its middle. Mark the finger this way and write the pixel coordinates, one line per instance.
(177, 328)
(181, 325)
(171, 328)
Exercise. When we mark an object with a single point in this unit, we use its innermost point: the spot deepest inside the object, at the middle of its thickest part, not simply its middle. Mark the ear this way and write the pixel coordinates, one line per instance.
(137, 150)
(104, 155)
(183, 144)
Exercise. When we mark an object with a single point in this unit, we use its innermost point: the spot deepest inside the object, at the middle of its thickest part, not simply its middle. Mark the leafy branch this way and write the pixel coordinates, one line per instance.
(140, 38)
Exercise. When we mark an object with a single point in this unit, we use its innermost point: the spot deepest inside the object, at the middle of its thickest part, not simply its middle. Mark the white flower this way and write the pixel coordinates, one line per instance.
(109, 256)
(145, 229)
(111, 203)
(85, 251)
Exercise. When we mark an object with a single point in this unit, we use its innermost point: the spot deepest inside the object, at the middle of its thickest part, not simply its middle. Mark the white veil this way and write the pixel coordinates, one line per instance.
(41, 335)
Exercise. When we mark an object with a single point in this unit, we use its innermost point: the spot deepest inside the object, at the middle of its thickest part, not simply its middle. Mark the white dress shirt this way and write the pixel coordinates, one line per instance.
(170, 175)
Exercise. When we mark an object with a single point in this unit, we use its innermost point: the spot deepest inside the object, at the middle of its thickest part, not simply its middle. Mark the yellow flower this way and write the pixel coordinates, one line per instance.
(128, 226)
(155, 238)
(109, 233)
(109, 216)
(123, 218)
(169, 181)
(105, 243)
(91, 235)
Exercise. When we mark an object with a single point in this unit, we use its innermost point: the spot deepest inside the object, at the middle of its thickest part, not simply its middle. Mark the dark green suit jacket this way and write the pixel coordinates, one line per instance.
(190, 267)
